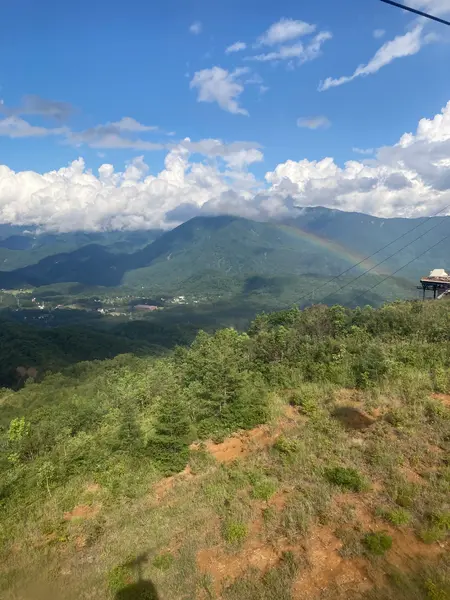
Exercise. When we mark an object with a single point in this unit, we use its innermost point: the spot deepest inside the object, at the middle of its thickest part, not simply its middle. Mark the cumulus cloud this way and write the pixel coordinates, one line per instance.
(33, 104)
(410, 178)
(285, 30)
(297, 53)
(319, 122)
(236, 47)
(379, 33)
(221, 86)
(196, 28)
(403, 45)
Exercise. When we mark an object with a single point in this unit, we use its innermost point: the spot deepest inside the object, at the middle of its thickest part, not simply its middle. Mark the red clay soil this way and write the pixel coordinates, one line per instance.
(82, 511)
(243, 443)
(444, 398)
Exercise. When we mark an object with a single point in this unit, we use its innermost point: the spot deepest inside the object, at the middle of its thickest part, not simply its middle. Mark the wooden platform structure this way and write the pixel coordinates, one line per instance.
(436, 284)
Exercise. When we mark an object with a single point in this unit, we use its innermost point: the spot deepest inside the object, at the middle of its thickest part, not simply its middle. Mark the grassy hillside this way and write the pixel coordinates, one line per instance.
(337, 485)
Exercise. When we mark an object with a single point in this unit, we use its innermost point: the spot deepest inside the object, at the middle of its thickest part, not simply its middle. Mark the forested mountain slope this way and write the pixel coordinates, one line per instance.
(223, 250)
(339, 489)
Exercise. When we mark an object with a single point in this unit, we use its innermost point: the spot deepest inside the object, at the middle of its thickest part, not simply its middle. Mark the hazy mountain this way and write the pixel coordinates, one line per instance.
(217, 246)
(214, 253)
(21, 246)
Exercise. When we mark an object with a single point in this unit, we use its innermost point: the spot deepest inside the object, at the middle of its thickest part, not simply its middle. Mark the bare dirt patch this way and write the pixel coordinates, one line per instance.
(243, 443)
(328, 568)
(444, 398)
(352, 418)
(82, 511)
(164, 486)
(93, 488)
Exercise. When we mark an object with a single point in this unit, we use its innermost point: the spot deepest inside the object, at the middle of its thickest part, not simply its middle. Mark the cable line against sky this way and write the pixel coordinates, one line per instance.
(382, 261)
(405, 265)
(375, 253)
(416, 12)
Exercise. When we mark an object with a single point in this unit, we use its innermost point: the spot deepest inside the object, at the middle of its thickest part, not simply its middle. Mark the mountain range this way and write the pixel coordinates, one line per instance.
(216, 252)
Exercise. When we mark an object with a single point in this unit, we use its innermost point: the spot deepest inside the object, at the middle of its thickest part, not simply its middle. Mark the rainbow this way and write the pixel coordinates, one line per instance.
(338, 249)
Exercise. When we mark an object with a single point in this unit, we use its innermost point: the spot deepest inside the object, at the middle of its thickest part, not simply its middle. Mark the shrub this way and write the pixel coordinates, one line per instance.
(234, 532)
(398, 516)
(264, 489)
(377, 543)
(286, 446)
(438, 528)
(163, 561)
(435, 591)
(346, 478)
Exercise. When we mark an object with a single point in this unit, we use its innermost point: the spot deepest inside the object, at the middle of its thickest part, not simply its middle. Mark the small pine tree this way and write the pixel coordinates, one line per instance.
(169, 445)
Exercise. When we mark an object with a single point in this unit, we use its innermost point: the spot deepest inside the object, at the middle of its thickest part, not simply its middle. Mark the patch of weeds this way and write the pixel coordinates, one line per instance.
(435, 411)
(405, 495)
(119, 577)
(296, 517)
(438, 529)
(397, 417)
(377, 543)
(276, 583)
(163, 561)
(346, 478)
(234, 532)
(397, 516)
(263, 488)
(351, 542)
(269, 514)
(200, 460)
(286, 446)
(435, 591)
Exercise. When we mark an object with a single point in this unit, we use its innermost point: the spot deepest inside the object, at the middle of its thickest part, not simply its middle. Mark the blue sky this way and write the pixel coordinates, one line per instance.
(157, 63)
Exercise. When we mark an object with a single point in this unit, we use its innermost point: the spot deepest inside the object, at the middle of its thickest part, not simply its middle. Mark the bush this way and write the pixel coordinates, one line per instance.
(438, 528)
(286, 446)
(263, 489)
(346, 478)
(234, 532)
(377, 543)
(398, 516)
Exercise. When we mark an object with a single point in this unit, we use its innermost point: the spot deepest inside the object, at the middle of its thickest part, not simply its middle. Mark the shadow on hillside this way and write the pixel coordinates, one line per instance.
(142, 589)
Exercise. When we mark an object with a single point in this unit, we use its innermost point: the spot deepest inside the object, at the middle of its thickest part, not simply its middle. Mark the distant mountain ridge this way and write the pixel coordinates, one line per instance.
(318, 242)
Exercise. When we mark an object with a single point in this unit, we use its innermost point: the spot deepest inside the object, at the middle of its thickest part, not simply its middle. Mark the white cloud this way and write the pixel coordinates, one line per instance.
(196, 28)
(221, 86)
(319, 122)
(410, 178)
(366, 151)
(298, 53)
(434, 7)
(130, 124)
(236, 47)
(379, 33)
(15, 127)
(285, 30)
(403, 45)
